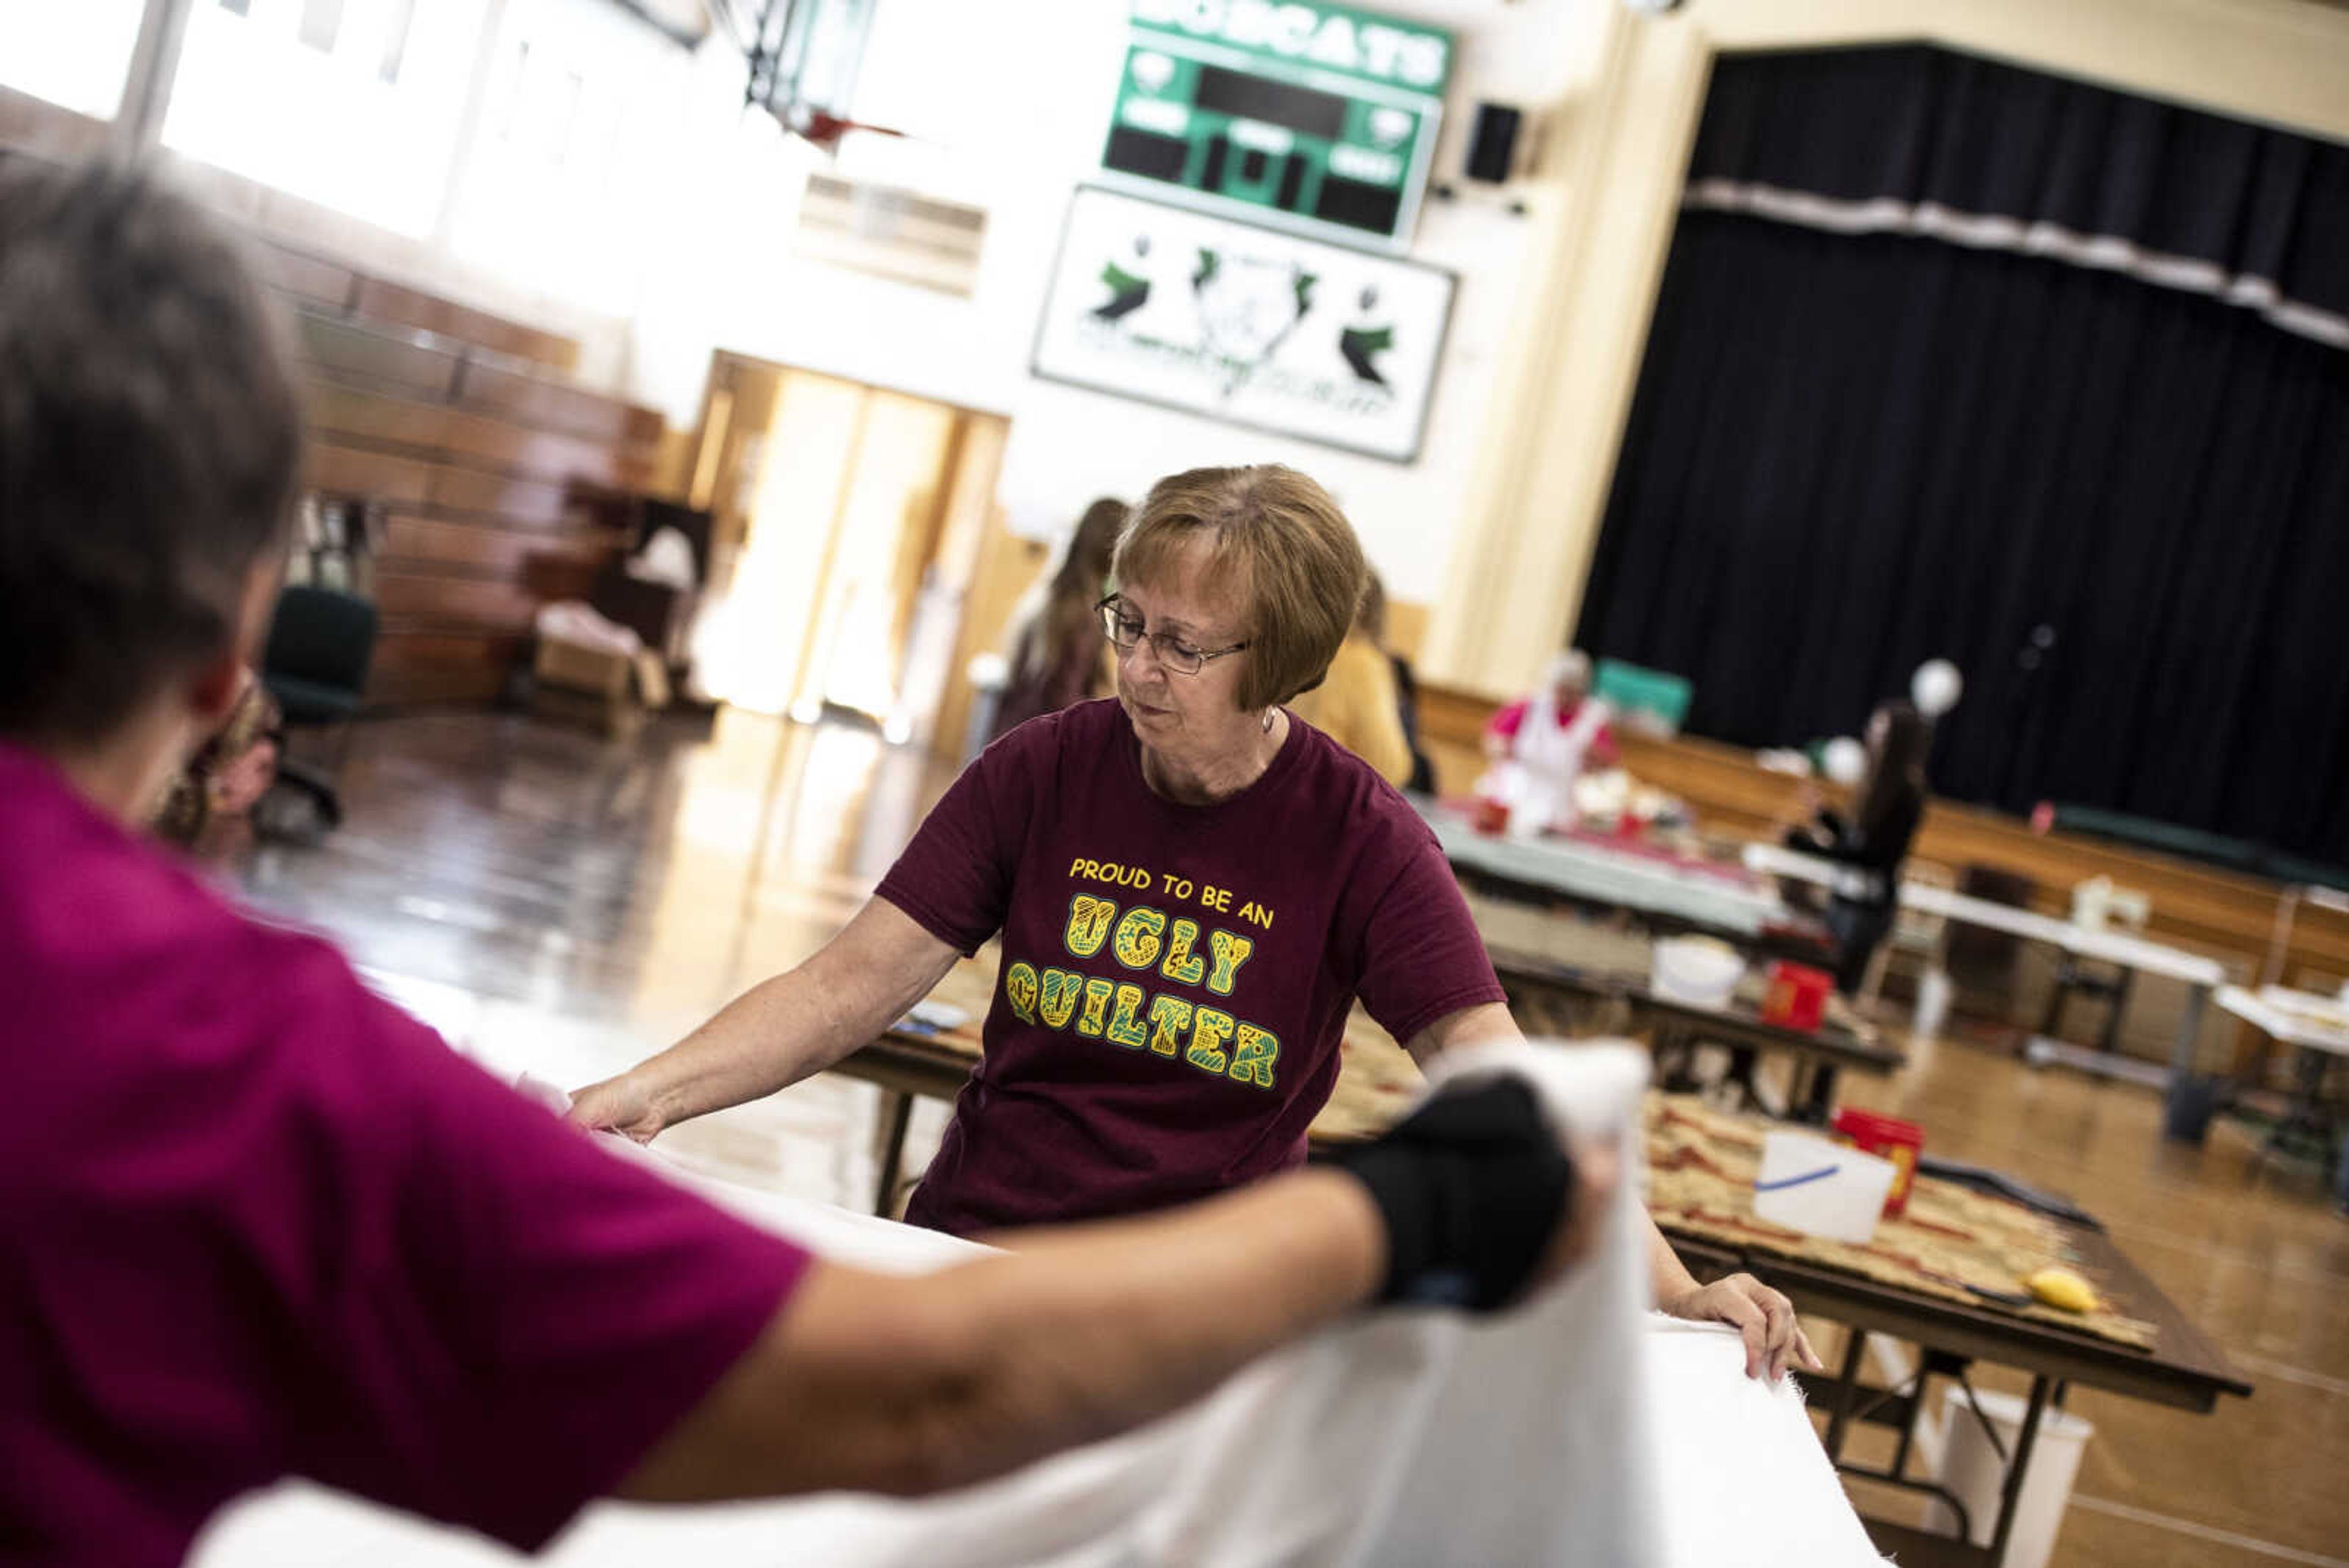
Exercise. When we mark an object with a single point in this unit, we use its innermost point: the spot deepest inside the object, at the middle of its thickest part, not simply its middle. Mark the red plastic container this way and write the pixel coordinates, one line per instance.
(1797, 997)
(1888, 1137)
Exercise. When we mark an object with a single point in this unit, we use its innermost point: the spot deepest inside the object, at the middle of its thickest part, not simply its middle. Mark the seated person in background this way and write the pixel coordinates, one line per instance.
(255, 1221)
(1356, 704)
(1056, 656)
(214, 797)
(1191, 889)
(1540, 744)
(1874, 840)
(1374, 619)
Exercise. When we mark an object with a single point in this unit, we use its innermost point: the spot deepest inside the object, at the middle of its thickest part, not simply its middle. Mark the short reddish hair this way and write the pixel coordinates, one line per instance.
(1278, 545)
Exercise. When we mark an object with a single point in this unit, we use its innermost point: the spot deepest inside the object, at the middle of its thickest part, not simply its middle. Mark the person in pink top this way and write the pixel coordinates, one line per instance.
(256, 1222)
(1555, 704)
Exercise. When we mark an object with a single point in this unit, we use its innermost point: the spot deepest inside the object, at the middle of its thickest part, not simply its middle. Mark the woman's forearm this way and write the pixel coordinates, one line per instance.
(1668, 1277)
(928, 1383)
(782, 1030)
(799, 1023)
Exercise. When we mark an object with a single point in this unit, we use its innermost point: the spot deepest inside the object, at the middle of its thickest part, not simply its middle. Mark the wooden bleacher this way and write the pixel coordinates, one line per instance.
(502, 483)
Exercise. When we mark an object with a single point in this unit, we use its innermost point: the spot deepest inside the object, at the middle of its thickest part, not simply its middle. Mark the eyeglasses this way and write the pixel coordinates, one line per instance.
(1125, 630)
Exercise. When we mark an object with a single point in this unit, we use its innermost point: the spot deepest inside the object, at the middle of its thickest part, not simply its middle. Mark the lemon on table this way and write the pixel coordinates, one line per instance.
(2061, 1288)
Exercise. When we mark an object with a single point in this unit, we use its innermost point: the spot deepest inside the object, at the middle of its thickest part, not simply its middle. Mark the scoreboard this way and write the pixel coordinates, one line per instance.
(1311, 117)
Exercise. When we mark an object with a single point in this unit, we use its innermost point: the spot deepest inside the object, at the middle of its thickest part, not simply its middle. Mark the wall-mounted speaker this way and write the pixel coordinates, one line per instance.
(1492, 143)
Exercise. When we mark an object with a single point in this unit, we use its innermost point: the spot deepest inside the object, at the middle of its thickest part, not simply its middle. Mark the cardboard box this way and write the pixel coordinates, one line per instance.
(574, 667)
(618, 717)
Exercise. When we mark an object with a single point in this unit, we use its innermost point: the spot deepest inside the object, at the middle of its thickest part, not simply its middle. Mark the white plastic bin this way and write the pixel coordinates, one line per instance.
(1698, 971)
(1971, 1468)
(1820, 1188)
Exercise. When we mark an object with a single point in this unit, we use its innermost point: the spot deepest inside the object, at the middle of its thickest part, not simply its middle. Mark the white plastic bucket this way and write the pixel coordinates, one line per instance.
(1697, 970)
(1971, 1468)
(1820, 1188)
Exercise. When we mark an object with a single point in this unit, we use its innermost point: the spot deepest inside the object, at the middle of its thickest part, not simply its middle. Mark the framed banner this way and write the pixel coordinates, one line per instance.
(1261, 329)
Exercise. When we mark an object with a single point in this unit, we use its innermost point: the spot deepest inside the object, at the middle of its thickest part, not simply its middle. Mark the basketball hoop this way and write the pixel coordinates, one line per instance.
(803, 57)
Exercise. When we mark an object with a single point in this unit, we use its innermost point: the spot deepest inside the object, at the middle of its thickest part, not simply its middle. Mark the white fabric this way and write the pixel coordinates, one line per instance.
(1572, 1432)
(667, 558)
(576, 621)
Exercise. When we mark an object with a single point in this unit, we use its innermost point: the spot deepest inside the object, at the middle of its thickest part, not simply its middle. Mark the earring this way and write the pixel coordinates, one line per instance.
(1267, 720)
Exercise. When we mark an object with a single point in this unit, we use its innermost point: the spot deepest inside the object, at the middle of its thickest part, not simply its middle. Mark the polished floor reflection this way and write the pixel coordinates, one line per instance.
(562, 905)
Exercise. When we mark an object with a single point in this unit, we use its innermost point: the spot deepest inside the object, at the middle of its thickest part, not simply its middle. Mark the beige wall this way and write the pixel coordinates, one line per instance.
(1608, 195)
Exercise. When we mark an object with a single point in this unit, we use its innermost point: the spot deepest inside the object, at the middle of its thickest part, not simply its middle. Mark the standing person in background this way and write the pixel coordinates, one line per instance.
(1873, 842)
(1540, 744)
(1056, 646)
(1356, 704)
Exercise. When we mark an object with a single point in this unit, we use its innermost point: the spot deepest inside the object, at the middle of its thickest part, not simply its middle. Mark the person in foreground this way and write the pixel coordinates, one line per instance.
(257, 1222)
(1192, 888)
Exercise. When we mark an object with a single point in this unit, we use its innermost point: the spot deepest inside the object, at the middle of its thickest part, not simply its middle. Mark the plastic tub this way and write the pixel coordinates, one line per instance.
(1821, 1189)
(1797, 997)
(1897, 1141)
(1696, 970)
(1971, 1468)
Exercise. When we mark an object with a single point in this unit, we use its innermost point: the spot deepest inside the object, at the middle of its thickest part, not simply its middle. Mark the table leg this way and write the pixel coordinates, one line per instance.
(2190, 1031)
(1819, 1100)
(2182, 1060)
(896, 1114)
(2011, 1493)
(1846, 1387)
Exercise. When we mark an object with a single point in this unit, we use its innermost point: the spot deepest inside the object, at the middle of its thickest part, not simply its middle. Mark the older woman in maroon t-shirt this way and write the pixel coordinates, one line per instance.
(1192, 888)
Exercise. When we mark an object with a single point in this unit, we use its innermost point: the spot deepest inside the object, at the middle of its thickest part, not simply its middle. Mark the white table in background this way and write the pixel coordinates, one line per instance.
(2201, 976)
(2315, 1027)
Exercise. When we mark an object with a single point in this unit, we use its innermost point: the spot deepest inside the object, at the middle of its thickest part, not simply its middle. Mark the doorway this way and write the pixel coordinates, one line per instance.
(849, 522)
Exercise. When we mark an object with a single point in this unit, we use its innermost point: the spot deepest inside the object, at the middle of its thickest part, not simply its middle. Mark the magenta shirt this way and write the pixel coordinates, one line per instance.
(1175, 979)
(255, 1221)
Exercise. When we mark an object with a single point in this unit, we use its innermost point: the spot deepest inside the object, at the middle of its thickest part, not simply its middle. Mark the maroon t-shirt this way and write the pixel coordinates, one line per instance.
(1175, 979)
(255, 1221)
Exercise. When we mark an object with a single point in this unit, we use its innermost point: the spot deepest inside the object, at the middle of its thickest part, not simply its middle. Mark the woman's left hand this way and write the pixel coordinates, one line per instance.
(1765, 1318)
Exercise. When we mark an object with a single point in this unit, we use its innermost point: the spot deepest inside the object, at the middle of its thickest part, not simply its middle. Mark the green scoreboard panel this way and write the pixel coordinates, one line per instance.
(1312, 117)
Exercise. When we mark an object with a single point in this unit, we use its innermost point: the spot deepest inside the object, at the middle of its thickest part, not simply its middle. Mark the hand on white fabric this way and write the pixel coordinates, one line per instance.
(1765, 1319)
(617, 1105)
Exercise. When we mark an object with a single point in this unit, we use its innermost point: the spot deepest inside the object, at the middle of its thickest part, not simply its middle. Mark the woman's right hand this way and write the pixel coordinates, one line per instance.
(620, 1105)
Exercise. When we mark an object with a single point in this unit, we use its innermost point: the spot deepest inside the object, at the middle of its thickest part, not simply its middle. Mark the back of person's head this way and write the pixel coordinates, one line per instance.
(150, 436)
(1570, 668)
(1900, 738)
(1065, 617)
(1085, 568)
(1907, 736)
